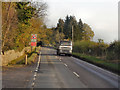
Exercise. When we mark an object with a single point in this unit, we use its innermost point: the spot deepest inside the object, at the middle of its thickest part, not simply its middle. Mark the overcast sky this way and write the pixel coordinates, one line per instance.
(101, 15)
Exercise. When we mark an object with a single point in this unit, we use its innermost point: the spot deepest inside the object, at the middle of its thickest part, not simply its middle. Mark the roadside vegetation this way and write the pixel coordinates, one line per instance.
(30, 55)
(99, 53)
(113, 66)
(63, 30)
(19, 21)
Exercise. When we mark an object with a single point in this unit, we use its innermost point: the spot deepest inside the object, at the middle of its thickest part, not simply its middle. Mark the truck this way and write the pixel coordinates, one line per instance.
(64, 47)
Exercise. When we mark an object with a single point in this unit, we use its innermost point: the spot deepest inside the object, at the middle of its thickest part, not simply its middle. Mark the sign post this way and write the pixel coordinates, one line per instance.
(26, 60)
(33, 40)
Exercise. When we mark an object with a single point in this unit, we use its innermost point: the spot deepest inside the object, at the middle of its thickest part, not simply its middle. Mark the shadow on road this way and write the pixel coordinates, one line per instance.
(48, 54)
(50, 47)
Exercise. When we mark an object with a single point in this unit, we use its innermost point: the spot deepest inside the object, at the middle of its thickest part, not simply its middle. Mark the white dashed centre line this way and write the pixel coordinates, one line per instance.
(65, 65)
(76, 74)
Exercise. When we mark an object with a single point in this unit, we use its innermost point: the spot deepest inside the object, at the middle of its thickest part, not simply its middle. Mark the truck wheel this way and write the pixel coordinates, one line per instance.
(69, 55)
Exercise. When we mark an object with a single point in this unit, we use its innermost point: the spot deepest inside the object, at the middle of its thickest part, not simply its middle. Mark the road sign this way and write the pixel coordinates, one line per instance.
(33, 43)
(34, 36)
(33, 39)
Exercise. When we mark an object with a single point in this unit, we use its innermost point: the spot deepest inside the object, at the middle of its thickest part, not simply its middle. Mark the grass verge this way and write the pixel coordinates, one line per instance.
(21, 60)
(113, 67)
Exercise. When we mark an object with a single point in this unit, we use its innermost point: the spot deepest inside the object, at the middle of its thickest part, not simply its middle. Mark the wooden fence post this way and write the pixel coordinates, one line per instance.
(26, 59)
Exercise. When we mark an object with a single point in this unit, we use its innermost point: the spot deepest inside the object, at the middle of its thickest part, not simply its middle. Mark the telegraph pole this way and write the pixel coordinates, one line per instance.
(72, 34)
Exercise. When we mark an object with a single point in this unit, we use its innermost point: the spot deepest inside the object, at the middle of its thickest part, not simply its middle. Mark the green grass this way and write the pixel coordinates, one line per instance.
(21, 59)
(30, 59)
(15, 61)
(115, 67)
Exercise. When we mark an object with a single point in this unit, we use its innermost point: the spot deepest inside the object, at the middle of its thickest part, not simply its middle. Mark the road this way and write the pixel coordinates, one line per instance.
(69, 72)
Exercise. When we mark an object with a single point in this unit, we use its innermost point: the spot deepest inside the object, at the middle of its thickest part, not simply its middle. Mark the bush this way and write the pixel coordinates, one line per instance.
(89, 48)
(113, 51)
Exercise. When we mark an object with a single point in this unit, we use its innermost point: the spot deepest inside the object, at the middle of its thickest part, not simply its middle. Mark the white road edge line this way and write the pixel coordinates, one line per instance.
(96, 67)
(36, 69)
(39, 60)
(35, 75)
(34, 78)
(33, 84)
(76, 74)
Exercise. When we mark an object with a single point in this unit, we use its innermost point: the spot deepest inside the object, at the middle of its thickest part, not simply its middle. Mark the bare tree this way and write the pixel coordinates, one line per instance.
(9, 22)
(41, 8)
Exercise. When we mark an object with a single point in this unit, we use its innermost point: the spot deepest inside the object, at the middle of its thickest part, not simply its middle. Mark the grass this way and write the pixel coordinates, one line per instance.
(21, 60)
(15, 61)
(31, 59)
(107, 64)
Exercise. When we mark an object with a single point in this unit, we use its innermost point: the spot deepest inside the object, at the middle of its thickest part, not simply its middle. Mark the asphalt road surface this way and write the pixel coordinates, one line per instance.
(69, 72)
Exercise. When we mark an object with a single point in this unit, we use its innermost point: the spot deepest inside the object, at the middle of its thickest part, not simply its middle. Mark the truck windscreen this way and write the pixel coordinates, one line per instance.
(65, 43)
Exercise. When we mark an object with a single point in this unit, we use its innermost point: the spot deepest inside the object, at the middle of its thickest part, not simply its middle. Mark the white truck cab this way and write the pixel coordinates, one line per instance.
(64, 47)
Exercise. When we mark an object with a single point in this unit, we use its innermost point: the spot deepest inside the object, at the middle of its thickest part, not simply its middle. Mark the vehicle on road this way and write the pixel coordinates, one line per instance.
(64, 47)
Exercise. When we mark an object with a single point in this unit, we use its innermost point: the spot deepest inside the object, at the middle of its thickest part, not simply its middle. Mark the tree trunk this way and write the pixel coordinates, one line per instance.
(3, 43)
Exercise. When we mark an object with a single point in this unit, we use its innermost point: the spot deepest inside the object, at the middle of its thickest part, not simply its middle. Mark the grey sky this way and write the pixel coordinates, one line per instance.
(101, 15)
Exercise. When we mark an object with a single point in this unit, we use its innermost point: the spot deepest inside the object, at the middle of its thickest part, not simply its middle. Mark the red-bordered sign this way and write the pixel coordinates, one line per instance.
(33, 39)
(34, 36)
(33, 43)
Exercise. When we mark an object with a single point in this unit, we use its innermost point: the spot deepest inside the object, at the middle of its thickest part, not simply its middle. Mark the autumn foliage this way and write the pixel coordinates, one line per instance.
(19, 21)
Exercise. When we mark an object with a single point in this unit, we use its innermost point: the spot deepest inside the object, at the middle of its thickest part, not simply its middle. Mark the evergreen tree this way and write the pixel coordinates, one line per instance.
(80, 31)
(80, 24)
(66, 28)
(60, 25)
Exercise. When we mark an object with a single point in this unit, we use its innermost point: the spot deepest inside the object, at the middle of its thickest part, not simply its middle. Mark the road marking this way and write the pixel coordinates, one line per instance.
(39, 60)
(65, 65)
(38, 64)
(34, 78)
(36, 70)
(60, 59)
(33, 84)
(96, 67)
(76, 74)
(35, 74)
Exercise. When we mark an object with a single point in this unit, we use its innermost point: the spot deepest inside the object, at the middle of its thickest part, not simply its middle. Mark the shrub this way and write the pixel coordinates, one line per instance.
(90, 48)
(113, 51)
